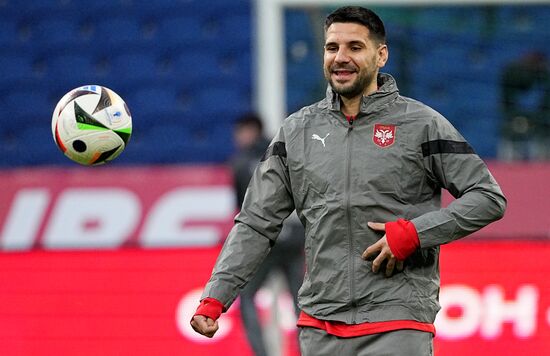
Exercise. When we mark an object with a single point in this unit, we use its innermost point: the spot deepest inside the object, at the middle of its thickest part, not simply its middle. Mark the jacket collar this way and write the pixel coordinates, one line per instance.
(387, 92)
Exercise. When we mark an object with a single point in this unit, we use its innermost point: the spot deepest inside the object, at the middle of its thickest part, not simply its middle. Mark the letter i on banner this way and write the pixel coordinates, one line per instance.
(24, 218)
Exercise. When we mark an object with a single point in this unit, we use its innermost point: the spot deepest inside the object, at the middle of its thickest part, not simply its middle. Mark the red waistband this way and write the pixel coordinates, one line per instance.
(351, 330)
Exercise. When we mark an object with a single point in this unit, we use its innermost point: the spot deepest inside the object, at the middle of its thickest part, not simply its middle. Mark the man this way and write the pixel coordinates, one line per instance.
(287, 256)
(525, 89)
(364, 169)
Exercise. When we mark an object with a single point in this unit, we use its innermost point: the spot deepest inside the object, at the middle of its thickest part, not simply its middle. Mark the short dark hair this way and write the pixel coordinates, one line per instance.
(361, 16)
(250, 120)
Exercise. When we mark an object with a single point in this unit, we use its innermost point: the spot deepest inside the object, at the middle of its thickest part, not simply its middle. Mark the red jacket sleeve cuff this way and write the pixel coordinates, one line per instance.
(210, 308)
(402, 238)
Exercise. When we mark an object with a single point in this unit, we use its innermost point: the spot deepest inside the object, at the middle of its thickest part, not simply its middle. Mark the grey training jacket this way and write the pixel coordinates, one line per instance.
(390, 163)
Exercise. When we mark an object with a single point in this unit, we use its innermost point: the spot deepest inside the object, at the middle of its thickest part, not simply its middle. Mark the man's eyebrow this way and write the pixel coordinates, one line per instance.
(357, 42)
(350, 43)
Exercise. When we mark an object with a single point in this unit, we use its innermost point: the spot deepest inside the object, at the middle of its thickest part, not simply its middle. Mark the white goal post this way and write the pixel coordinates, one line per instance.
(270, 85)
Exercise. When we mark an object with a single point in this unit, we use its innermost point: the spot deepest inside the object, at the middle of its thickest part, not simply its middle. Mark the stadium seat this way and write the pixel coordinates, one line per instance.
(212, 143)
(164, 143)
(59, 33)
(9, 153)
(159, 8)
(134, 67)
(102, 7)
(517, 20)
(480, 127)
(117, 32)
(222, 104)
(16, 68)
(441, 63)
(27, 107)
(42, 150)
(200, 67)
(151, 105)
(43, 6)
(73, 70)
(181, 31)
(450, 20)
(9, 32)
(237, 26)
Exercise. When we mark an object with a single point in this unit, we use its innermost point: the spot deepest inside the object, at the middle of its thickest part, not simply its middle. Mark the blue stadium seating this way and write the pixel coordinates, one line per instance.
(151, 104)
(71, 70)
(118, 33)
(223, 104)
(59, 33)
(195, 67)
(36, 146)
(182, 31)
(16, 68)
(238, 27)
(134, 67)
(185, 68)
(9, 32)
(27, 107)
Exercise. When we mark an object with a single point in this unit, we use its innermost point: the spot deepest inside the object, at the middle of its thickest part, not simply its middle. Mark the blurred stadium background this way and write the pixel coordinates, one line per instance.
(109, 260)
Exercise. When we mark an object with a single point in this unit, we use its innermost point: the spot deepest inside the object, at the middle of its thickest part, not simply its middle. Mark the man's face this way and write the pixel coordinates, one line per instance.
(246, 136)
(352, 59)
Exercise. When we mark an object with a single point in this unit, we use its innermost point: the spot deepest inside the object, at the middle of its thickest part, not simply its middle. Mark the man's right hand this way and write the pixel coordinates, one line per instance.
(204, 325)
(205, 320)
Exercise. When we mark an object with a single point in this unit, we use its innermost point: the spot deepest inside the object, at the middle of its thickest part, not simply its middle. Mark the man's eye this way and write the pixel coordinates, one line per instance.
(331, 49)
(355, 49)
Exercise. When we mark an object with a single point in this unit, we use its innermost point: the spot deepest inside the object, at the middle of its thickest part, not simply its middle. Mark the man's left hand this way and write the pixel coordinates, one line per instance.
(384, 250)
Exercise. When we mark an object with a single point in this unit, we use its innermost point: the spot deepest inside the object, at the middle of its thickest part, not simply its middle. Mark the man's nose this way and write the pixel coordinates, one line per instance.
(342, 56)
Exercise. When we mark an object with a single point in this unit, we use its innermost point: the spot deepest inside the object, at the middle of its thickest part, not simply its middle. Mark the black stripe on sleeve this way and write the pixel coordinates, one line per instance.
(276, 149)
(445, 146)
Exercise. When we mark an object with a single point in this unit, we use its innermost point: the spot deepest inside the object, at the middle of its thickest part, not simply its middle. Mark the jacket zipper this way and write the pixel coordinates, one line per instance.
(351, 264)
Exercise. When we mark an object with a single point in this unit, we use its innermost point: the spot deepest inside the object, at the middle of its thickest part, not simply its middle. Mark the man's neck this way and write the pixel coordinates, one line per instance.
(351, 106)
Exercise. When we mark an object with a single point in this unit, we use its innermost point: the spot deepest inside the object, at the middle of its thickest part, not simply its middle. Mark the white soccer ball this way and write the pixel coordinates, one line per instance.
(91, 125)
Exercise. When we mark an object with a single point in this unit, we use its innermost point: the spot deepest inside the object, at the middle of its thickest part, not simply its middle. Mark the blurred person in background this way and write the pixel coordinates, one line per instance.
(364, 169)
(287, 256)
(525, 90)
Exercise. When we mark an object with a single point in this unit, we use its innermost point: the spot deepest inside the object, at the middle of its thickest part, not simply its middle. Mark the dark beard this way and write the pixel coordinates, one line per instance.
(354, 90)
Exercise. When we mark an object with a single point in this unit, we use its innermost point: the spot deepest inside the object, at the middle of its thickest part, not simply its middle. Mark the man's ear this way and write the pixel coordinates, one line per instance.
(383, 55)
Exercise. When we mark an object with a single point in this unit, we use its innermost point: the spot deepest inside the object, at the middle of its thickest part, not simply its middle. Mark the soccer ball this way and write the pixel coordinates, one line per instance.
(91, 125)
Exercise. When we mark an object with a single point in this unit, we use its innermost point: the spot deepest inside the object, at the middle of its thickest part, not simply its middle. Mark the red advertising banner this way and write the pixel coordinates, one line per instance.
(126, 302)
(106, 208)
(150, 207)
(495, 300)
(70, 284)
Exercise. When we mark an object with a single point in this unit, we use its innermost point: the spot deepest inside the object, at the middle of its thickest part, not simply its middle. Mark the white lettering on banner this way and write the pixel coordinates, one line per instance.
(24, 219)
(468, 301)
(184, 312)
(165, 225)
(486, 312)
(522, 312)
(92, 218)
(108, 217)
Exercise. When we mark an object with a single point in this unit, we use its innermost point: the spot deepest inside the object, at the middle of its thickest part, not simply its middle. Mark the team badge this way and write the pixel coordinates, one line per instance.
(383, 135)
